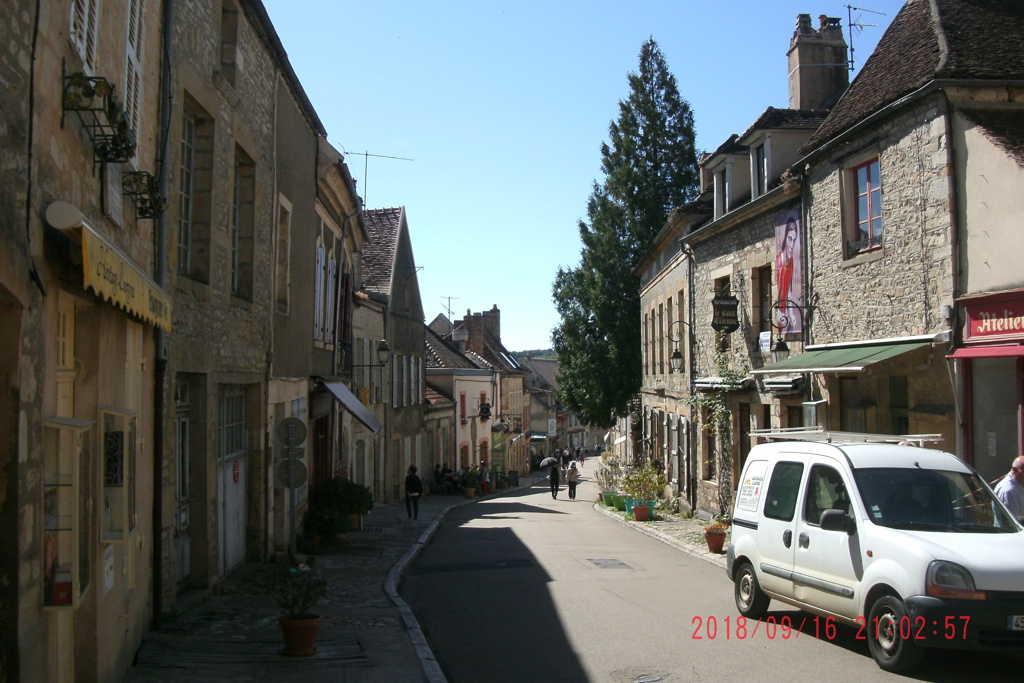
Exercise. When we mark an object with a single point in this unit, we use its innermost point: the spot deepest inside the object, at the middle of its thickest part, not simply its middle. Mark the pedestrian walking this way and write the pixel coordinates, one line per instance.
(555, 475)
(1011, 489)
(413, 491)
(485, 478)
(571, 478)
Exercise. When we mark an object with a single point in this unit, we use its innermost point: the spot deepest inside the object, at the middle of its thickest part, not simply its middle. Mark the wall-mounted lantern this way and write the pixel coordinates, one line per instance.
(782, 312)
(675, 335)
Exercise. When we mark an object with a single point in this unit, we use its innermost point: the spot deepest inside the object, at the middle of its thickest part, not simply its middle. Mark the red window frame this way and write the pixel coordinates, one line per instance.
(867, 207)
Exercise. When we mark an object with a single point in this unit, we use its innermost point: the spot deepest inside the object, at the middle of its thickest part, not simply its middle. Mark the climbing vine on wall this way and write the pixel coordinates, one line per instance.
(714, 415)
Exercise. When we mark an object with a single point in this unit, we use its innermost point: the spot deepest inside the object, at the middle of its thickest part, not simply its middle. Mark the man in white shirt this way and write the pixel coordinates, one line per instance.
(1011, 489)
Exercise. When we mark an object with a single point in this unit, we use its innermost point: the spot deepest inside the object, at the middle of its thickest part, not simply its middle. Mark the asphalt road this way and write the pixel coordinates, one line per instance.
(526, 588)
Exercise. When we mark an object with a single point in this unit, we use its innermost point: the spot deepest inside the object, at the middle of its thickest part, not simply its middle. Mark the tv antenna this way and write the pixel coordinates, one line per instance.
(448, 310)
(366, 165)
(860, 26)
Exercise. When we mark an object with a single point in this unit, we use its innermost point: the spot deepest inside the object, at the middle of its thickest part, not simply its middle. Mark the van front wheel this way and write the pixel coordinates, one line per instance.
(750, 599)
(891, 650)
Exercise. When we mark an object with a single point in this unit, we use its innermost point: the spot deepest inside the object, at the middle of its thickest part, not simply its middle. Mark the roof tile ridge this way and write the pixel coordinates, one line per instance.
(940, 36)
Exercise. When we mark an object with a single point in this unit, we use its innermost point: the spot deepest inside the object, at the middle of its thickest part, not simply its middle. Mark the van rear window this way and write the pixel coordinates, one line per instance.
(780, 502)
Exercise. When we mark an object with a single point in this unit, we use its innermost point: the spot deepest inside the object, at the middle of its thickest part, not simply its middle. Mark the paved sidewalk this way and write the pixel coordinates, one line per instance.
(368, 633)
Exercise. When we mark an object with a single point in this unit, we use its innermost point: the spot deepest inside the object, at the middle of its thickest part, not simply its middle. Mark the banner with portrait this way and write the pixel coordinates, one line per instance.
(789, 288)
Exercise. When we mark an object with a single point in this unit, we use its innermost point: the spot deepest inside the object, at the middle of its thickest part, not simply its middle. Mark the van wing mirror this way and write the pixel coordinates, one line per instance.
(837, 520)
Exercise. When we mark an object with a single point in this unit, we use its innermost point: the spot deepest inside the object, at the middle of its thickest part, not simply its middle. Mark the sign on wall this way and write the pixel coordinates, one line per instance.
(788, 273)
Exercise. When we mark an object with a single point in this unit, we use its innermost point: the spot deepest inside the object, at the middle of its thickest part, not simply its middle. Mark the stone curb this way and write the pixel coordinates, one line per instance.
(690, 548)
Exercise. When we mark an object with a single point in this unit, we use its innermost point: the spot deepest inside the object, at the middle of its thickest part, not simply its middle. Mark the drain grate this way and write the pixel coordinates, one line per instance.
(609, 564)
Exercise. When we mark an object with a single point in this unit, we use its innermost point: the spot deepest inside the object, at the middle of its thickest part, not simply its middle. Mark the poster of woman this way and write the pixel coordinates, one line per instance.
(788, 273)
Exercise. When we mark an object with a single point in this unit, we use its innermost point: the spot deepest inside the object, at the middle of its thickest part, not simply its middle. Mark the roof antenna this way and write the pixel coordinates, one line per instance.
(366, 163)
(448, 310)
(851, 24)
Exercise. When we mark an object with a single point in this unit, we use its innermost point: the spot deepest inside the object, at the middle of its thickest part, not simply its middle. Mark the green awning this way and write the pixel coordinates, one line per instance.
(839, 359)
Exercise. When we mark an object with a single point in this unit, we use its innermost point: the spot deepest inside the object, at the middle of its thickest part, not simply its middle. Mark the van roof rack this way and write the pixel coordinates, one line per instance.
(828, 436)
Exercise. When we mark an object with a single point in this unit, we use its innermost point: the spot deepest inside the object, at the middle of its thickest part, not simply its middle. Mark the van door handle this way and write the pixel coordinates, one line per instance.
(805, 540)
(787, 538)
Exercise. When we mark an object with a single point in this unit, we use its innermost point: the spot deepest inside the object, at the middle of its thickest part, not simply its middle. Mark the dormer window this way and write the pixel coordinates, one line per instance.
(722, 180)
(759, 158)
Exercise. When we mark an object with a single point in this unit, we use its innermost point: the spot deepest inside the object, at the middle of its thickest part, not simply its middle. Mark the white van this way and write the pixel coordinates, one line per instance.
(908, 545)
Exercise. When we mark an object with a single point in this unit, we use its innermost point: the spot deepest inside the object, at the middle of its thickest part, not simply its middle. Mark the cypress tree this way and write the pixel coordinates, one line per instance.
(649, 167)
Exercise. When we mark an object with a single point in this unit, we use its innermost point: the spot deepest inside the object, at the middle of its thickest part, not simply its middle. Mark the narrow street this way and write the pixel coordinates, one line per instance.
(526, 588)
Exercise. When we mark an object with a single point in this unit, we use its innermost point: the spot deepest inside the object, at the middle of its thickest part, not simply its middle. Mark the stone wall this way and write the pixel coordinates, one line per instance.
(898, 290)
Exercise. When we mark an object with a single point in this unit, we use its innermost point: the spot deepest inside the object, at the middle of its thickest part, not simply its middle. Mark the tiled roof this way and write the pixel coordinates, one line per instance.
(731, 146)
(787, 119)
(1004, 128)
(435, 396)
(440, 354)
(928, 40)
(383, 226)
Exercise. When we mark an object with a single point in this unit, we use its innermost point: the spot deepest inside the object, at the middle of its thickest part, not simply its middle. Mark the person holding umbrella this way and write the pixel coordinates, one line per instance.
(554, 475)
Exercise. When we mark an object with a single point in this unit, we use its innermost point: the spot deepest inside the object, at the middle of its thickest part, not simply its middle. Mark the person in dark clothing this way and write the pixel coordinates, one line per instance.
(438, 479)
(555, 476)
(413, 491)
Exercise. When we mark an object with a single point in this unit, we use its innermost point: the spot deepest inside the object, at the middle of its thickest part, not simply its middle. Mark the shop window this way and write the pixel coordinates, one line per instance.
(67, 508)
(119, 474)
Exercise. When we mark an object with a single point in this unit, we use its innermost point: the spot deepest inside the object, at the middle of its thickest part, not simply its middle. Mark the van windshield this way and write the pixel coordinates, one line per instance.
(931, 500)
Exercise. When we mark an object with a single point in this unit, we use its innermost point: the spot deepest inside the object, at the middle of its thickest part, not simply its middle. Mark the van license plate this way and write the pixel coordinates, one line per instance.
(1015, 622)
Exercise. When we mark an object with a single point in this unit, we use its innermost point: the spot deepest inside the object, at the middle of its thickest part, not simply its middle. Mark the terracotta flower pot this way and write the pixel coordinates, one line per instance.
(299, 634)
(715, 542)
(641, 513)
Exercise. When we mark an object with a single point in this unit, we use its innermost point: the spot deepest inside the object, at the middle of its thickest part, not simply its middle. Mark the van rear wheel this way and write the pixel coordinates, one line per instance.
(890, 648)
(750, 599)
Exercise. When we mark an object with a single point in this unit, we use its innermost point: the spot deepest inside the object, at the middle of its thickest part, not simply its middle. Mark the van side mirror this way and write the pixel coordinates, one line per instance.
(837, 520)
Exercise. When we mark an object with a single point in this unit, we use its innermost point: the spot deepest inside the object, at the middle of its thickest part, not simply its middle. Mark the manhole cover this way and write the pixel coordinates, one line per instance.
(647, 679)
(609, 564)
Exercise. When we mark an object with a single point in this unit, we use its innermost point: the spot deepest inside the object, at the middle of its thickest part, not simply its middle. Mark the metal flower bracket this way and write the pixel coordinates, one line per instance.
(144, 190)
(95, 103)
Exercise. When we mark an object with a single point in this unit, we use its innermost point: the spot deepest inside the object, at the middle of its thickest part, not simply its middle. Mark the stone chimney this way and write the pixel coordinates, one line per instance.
(818, 68)
(476, 324)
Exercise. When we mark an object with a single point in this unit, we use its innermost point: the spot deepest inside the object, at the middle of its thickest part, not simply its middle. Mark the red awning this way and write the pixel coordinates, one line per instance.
(988, 351)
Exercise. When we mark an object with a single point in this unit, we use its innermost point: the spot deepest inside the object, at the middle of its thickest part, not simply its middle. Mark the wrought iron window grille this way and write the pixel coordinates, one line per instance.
(94, 101)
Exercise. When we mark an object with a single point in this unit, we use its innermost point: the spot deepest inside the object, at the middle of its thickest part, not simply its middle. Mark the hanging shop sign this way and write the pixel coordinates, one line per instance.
(725, 313)
(994, 320)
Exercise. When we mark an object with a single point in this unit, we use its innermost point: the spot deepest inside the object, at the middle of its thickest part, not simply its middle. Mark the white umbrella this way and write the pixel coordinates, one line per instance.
(548, 461)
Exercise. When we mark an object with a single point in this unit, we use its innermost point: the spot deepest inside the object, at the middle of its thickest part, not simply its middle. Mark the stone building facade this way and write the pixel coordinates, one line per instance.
(724, 282)
(82, 313)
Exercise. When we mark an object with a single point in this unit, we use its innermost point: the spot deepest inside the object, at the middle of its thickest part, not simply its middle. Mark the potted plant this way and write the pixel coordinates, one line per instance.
(608, 477)
(644, 485)
(470, 479)
(715, 533)
(349, 500)
(321, 523)
(295, 591)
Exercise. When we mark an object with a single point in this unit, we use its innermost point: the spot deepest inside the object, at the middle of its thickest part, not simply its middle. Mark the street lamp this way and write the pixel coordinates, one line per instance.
(383, 352)
(675, 361)
(780, 320)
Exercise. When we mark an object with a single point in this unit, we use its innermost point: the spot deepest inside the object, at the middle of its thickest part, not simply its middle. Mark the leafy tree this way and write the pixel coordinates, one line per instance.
(650, 167)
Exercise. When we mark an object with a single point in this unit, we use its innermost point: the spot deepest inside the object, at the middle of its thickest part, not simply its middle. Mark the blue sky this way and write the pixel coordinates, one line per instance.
(502, 108)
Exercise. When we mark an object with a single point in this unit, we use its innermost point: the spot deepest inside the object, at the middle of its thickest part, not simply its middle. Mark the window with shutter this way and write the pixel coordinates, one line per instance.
(84, 16)
(133, 65)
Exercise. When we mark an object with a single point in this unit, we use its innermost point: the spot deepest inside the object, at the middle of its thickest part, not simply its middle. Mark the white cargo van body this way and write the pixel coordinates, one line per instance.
(880, 537)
